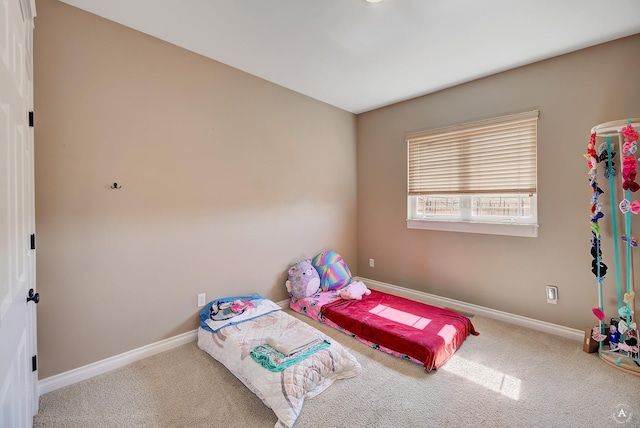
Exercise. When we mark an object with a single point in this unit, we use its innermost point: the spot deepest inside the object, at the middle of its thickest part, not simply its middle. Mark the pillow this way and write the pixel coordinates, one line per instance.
(334, 272)
(303, 280)
(221, 313)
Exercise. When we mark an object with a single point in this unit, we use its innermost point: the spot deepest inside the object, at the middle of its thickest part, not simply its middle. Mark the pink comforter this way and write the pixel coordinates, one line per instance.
(424, 332)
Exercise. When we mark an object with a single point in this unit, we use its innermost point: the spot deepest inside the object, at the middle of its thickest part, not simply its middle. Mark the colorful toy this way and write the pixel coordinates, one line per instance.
(354, 291)
(334, 272)
(303, 281)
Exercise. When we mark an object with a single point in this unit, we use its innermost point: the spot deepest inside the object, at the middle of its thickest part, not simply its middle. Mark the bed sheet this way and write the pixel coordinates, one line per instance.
(310, 306)
(412, 330)
(285, 391)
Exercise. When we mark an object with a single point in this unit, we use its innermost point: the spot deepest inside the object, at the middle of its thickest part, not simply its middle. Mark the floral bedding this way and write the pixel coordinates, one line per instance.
(284, 391)
(311, 305)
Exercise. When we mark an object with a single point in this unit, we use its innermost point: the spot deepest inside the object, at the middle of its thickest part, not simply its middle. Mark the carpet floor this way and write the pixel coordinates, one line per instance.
(508, 376)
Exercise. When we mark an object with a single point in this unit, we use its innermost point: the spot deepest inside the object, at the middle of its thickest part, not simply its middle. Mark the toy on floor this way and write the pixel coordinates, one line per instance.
(303, 280)
(354, 291)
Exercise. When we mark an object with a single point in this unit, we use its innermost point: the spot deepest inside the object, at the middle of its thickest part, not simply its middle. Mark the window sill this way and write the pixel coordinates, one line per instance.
(509, 229)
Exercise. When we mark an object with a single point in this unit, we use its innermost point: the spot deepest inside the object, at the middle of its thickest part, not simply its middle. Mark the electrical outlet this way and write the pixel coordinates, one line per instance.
(552, 294)
(372, 263)
(202, 299)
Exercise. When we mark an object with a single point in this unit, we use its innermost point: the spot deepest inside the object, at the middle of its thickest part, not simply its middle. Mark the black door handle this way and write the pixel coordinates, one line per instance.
(33, 296)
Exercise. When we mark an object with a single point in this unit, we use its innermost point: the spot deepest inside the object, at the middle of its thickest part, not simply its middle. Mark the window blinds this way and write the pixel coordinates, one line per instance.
(489, 156)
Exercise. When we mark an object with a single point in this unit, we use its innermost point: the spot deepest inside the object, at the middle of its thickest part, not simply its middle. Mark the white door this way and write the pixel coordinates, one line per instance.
(18, 382)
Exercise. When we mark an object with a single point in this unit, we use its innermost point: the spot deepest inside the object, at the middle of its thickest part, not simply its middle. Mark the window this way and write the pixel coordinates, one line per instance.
(476, 177)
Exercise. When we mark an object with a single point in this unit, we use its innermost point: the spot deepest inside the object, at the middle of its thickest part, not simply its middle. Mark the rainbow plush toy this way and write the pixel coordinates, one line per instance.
(334, 272)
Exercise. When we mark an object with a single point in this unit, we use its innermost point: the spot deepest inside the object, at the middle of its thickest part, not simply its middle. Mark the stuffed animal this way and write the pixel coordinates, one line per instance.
(334, 272)
(303, 280)
(354, 291)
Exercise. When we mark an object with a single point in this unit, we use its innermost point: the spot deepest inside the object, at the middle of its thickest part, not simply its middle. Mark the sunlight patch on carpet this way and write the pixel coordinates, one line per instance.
(492, 379)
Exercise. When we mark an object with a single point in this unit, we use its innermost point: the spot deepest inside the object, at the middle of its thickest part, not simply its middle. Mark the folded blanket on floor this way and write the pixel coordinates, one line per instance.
(274, 361)
(291, 341)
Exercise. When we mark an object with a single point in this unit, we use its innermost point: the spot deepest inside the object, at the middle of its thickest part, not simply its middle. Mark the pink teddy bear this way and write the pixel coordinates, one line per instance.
(354, 291)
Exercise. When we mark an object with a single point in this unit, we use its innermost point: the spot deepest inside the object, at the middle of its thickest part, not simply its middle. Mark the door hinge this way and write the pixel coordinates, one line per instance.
(34, 363)
(33, 241)
(31, 119)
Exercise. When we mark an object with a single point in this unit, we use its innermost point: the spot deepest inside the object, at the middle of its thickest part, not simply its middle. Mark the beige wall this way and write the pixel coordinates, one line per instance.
(573, 92)
(226, 180)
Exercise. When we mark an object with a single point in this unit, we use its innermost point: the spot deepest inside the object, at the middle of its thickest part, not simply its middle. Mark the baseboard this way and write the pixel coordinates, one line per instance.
(457, 305)
(99, 367)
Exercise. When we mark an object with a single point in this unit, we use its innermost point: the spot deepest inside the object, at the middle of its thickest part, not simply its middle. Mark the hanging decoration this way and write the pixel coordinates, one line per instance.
(598, 268)
(621, 333)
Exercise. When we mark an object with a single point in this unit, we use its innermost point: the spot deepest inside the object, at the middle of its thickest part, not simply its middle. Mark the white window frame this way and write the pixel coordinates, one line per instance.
(525, 226)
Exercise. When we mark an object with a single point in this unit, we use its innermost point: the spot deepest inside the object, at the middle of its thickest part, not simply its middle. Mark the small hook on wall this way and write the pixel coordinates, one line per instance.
(115, 186)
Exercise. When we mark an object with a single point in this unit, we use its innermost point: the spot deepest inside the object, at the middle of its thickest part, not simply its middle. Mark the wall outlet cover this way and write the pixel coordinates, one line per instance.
(202, 299)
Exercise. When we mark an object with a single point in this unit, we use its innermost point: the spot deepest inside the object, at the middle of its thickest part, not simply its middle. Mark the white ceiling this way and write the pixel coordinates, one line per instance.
(359, 56)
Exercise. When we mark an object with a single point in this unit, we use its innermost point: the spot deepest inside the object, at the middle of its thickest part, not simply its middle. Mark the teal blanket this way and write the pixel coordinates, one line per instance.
(274, 361)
